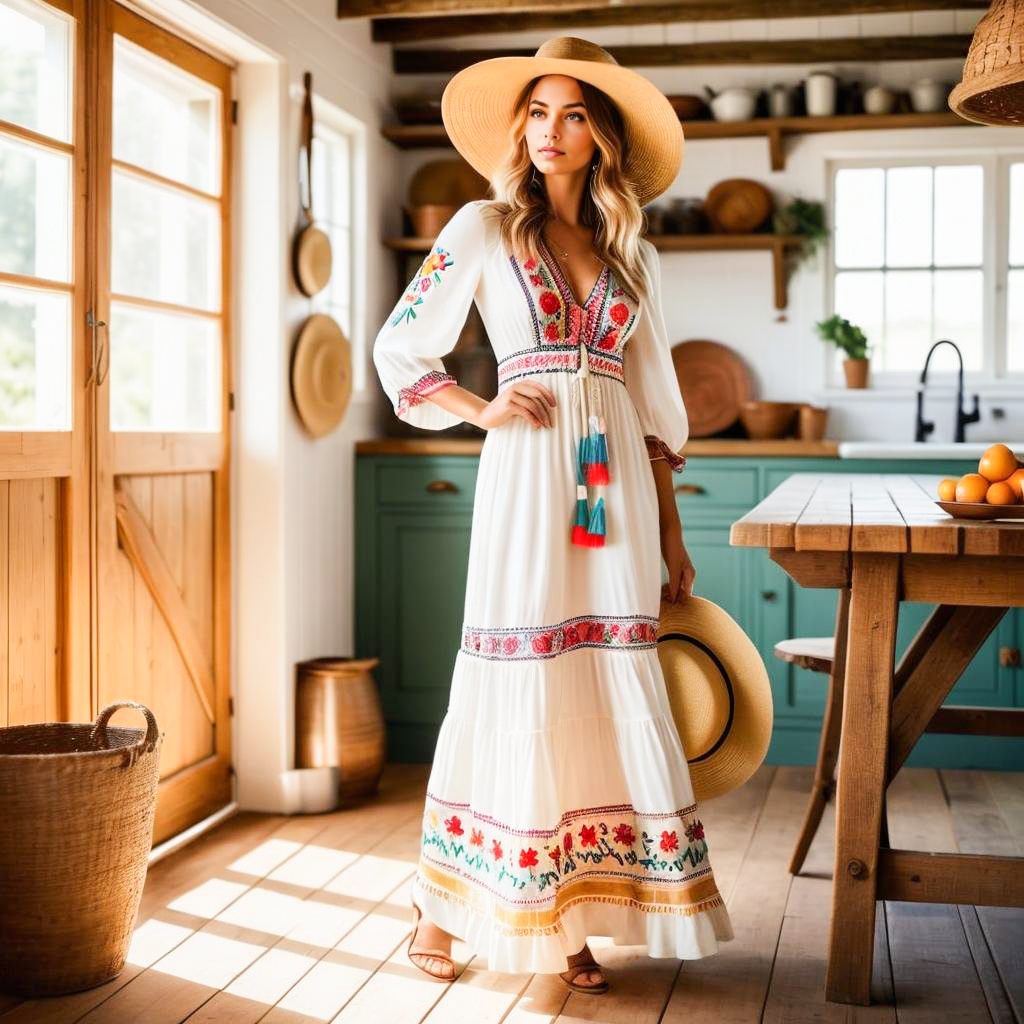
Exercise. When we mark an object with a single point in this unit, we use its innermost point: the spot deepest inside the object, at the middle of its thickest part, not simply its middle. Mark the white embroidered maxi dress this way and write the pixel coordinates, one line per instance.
(559, 803)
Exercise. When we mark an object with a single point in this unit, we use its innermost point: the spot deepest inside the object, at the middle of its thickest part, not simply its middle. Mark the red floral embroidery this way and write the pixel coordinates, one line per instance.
(567, 842)
(476, 837)
(496, 849)
(526, 642)
(528, 858)
(619, 313)
(548, 301)
(669, 841)
(551, 332)
(530, 264)
(454, 825)
(609, 340)
(624, 834)
(588, 835)
(555, 853)
(695, 831)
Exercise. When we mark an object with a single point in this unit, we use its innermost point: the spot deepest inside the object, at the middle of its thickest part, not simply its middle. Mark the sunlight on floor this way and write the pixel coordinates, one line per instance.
(209, 898)
(313, 866)
(261, 860)
(208, 959)
(370, 878)
(154, 939)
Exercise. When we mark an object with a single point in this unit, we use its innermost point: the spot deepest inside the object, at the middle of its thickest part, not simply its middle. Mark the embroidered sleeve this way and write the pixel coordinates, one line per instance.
(650, 375)
(427, 319)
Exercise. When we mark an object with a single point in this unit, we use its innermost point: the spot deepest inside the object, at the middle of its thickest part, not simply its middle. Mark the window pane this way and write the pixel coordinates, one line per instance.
(165, 120)
(331, 179)
(958, 313)
(164, 371)
(166, 244)
(908, 217)
(35, 213)
(1015, 321)
(34, 351)
(908, 319)
(860, 201)
(35, 65)
(1017, 215)
(958, 215)
(859, 298)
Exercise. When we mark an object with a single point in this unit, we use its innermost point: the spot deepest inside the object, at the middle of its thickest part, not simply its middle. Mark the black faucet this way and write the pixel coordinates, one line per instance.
(923, 428)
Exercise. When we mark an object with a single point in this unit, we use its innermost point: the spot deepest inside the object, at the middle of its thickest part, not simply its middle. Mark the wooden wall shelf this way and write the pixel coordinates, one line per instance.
(774, 129)
(777, 245)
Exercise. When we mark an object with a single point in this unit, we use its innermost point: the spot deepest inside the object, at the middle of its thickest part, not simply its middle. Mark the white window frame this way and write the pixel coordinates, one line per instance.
(330, 123)
(995, 163)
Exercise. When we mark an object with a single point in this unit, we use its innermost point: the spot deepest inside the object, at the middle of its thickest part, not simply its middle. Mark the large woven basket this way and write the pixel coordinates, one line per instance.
(76, 826)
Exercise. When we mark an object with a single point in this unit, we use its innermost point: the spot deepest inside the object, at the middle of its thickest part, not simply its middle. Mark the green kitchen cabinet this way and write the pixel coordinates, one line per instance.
(412, 546)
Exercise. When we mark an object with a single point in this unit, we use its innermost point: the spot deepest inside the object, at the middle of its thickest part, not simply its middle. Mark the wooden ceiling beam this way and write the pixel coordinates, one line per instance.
(517, 18)
(762, 51)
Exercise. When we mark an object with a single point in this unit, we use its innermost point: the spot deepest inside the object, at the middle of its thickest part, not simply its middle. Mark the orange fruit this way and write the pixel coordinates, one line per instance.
(947, 489)
(1016, 481)
(1000, 493)
(997, 463)
(971, 487)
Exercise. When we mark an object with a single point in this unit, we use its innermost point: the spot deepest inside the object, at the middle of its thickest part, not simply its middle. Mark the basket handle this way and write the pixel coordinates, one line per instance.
(98, 736)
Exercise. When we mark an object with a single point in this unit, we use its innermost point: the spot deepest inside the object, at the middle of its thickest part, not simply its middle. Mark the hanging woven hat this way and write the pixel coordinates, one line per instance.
(719, 692)
(477, 108)
(992, 89)
(321, 374)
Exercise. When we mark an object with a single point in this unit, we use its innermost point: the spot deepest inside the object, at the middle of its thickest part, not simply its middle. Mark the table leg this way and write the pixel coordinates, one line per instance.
(863, 763)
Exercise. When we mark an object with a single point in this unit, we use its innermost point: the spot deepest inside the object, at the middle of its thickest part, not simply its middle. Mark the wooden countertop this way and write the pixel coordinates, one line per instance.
(698, 446)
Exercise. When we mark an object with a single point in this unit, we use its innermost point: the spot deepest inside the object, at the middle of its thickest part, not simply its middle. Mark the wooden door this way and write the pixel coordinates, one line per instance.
(162, 400)
(114, 383)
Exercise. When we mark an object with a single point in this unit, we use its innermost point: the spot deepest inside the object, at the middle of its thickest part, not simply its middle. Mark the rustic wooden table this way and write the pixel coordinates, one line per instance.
(880, 539)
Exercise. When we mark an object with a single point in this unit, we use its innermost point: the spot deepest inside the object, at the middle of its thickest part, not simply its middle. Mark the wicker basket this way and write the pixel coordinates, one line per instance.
(992, 90)
(76, 826)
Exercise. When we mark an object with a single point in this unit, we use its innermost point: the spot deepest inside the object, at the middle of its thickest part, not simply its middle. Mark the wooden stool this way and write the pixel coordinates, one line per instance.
(825, 654)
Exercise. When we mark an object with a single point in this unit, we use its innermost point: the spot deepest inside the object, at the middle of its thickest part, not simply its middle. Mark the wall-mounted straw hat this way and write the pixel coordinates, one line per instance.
(992, 90)
(719, 691)
(477, 107)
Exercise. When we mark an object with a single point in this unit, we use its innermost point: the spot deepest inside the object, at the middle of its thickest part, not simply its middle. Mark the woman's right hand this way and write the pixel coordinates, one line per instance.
(525, 398)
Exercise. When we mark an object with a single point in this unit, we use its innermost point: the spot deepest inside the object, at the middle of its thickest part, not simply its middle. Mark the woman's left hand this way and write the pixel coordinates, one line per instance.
(681, 571)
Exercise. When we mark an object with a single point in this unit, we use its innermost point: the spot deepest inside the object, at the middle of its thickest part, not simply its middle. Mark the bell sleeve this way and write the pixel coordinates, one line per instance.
(427, 319)
(650, 375)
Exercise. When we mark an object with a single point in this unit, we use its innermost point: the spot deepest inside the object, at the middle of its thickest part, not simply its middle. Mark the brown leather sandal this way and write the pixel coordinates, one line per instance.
(589, 964)
(440, 954)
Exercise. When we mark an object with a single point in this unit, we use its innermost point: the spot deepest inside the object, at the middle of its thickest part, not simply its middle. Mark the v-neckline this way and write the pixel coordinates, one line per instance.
(563, 282)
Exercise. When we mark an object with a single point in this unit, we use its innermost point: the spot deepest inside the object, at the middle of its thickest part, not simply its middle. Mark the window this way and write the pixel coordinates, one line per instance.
(918, 254)
(36, 217)
(335, 185)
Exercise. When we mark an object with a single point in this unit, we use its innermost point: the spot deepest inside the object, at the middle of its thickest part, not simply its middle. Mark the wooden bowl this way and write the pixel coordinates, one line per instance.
(713, 379)
(764, 420)
(428, 219)
(738, 206)
(689, 107)
(981, 510)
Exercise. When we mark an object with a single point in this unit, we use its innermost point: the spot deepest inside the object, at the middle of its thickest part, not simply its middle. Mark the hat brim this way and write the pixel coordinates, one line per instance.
(321, 374)
(477, 109)
(740, 729)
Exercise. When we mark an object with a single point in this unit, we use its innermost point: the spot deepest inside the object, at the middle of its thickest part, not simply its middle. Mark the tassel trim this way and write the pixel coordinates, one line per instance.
(589, 525)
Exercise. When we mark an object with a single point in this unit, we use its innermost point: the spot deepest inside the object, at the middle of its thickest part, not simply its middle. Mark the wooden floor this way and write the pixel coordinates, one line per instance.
(305, 918)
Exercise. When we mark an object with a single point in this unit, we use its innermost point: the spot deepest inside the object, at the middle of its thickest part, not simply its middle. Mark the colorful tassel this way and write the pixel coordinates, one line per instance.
(595, 528)
(579, 528)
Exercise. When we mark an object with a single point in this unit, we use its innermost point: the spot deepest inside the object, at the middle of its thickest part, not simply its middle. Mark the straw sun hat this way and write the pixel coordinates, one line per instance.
(719, 692)
(477, 107)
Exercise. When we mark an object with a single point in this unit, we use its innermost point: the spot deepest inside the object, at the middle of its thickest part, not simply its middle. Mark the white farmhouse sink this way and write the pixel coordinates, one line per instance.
(919, 449)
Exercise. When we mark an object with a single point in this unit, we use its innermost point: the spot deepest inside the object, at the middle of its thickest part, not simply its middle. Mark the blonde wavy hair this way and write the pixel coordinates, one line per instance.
(609, 205)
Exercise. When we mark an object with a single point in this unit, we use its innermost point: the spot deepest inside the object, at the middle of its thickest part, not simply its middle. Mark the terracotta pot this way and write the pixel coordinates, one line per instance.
(856, 371)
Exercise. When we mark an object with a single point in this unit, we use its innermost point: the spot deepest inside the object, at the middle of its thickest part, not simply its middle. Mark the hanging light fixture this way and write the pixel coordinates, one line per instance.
(992, 89)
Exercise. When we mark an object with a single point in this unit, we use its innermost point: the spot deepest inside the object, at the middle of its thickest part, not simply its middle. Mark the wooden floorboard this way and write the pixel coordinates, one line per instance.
(287, 920)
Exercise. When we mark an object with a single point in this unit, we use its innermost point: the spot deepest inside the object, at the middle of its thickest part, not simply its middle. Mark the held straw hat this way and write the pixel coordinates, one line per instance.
(477, 107)
(719, 692)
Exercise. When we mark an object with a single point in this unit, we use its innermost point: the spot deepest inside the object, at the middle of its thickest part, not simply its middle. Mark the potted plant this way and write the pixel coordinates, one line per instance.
(803, 219)
(852, 341)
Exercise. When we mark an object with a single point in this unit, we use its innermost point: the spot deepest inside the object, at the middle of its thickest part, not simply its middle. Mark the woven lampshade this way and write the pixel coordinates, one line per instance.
(992, 90)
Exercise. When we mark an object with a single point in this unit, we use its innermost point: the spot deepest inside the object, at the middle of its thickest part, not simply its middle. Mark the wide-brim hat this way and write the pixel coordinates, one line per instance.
(719, 691)
(321, 376)
(477, 108)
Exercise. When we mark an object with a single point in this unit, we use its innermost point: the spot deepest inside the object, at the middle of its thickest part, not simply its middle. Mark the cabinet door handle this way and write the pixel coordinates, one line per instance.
(1009, 657)
(768, 595)
(690, 489)
(437, 486)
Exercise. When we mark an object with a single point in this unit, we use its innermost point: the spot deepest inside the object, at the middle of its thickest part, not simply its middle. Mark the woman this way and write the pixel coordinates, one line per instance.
(559, 803)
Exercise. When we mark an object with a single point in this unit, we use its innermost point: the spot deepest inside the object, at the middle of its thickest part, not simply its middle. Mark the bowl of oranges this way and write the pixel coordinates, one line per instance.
(996, 491)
